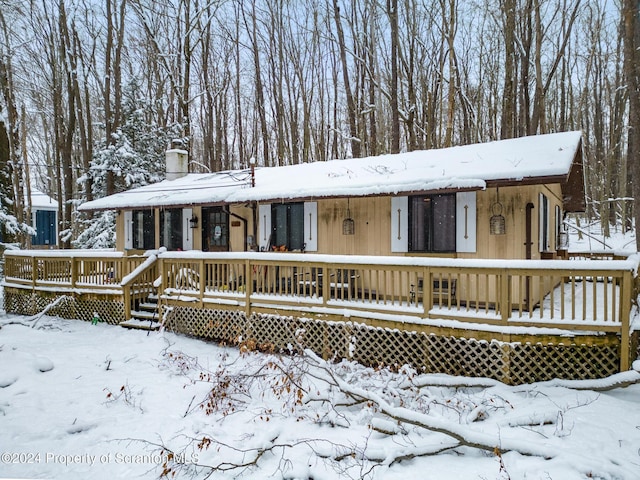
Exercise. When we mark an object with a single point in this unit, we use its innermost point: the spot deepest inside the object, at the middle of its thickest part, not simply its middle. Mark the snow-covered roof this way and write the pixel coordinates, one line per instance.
(42, 201)
(534, 159)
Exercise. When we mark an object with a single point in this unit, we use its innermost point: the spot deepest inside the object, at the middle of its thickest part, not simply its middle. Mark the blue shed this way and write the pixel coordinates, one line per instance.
(44, 219)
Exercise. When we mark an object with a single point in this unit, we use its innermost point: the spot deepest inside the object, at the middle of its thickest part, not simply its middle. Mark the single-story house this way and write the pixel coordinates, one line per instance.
(453, 260)
(504, 199)
(499, 200)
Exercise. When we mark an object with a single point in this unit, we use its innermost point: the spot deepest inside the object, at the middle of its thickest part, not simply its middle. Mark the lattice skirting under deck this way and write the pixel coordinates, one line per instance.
(520, 360)
(82, 307)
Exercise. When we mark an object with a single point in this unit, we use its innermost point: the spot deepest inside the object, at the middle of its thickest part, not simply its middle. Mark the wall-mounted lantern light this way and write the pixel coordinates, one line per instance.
(496, 222)
(193, 222)
(348, 224)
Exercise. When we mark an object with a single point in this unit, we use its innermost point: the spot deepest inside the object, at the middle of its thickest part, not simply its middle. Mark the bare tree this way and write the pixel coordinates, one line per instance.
(631, 16)
(392, 12)
(351, 105)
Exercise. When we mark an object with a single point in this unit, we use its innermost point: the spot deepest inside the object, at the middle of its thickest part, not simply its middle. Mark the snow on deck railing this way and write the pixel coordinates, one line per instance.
(581, 293)
(84, 269)
(630, 263)
(493, 290)
(68, 253)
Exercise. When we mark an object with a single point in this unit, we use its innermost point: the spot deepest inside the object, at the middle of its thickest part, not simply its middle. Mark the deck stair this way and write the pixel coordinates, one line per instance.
(145, 316)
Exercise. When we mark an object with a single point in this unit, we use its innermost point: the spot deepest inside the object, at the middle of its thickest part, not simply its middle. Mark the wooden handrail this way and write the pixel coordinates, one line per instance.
(383, 284)
(135, 278)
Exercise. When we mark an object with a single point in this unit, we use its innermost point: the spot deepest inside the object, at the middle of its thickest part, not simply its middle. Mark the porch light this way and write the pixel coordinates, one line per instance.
(193, 222)
(496, 222)
(348, 224)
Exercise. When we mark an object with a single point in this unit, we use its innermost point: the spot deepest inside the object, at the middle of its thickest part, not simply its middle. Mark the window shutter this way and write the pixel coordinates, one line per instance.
(543, 223)
(264, 226)
(311, 226)
(187, 231)
(466, 215)
(399, 224)
(128, 229)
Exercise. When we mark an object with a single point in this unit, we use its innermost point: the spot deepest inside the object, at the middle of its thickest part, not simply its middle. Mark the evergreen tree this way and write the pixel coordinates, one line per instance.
(135, 156)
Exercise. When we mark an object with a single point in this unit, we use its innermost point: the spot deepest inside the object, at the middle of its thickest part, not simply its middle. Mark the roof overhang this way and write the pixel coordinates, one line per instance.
(572, 184)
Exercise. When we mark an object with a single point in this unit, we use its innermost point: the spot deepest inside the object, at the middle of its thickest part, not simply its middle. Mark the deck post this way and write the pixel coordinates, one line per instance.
(34, 272)
(326, 285)
(161, 288)
(625, 311)
(248, 288)
(203, 280)
(74, 271)
(126, 299)
(505, 304)
(427, 293)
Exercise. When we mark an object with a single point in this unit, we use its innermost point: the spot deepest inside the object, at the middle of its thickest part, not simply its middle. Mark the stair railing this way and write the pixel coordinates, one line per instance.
(139, 284)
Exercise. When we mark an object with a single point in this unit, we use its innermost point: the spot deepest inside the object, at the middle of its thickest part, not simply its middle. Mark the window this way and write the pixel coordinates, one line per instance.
(171, 229)
(432, 223)
(143, 229)
(287, 220)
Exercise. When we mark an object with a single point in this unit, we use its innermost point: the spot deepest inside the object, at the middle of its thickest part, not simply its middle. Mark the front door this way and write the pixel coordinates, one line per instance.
(215, 230)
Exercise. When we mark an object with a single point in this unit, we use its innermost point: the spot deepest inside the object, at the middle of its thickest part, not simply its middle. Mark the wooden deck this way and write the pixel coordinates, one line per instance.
(553, 298)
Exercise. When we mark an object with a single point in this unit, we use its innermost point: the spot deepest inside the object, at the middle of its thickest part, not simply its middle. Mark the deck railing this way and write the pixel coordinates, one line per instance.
(67, 269)
(588, 295)
(548, 293)
(83, 271)
(139, 284)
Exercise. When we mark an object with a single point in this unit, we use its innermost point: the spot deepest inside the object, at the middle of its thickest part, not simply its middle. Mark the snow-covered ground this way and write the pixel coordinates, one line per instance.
(593, 239)
(84, 401)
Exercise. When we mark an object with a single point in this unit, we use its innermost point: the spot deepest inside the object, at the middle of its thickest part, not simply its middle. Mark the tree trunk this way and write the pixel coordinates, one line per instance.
(392, 11)
(507, 123)
(631, 12)
(351, 106)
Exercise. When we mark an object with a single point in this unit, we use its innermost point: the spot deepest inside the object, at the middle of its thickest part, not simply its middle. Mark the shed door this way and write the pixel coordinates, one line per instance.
(45, 228)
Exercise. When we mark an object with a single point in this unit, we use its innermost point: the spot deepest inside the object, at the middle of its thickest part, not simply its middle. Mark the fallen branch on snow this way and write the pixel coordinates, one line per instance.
(32, 321)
